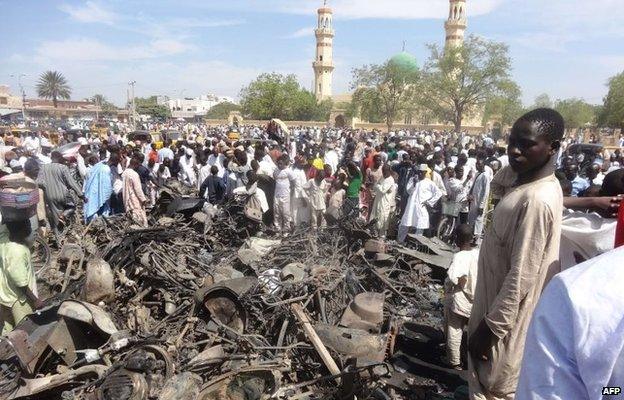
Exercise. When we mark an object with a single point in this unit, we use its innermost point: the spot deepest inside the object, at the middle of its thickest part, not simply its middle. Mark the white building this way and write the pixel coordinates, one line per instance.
(190, 107)
(9, 105)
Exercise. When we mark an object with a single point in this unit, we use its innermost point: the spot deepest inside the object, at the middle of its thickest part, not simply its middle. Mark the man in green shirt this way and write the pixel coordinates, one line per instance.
(353, 185)
(18, 286)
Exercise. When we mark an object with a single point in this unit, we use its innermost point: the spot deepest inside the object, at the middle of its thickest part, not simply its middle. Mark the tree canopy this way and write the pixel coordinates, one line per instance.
(460, 79)
(273, 95)
(53, 85)
(612, 113)
(149, 106)
(102, 101)
(505, 107)
(575, 112)
(222, 110)
(384, 92)
(542, 101)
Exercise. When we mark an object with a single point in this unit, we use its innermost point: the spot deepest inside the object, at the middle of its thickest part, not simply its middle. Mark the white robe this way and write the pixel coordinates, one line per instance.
(480, 193)
(574, 344)
(187, 171)
(416, 214)
(383, 204)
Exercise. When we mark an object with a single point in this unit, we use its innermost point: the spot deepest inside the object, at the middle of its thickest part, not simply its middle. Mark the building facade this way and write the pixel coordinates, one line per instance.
(190, 107)
(41, 109)
(323, 64)
(9, 105)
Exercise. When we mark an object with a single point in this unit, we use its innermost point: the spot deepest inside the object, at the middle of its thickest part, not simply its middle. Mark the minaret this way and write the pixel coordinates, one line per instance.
(323, 63)
(456, 24)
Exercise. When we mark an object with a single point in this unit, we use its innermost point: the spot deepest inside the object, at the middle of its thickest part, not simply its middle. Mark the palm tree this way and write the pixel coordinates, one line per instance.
(99, 100)
(53, 85)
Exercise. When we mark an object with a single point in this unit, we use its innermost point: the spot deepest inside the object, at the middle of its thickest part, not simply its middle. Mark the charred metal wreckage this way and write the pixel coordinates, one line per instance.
(204, 305)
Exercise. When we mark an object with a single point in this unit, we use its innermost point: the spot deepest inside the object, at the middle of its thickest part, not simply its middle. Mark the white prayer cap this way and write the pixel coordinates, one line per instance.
(423, 167)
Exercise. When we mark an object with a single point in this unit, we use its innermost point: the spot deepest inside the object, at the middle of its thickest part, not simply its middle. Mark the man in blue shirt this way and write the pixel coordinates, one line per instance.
(579, 184)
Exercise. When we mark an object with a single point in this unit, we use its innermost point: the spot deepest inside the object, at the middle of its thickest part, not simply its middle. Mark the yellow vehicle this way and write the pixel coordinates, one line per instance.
(233, 135)
(16, 136)
(19, 132)
(101, 128)
(172, 135)
(157, 140)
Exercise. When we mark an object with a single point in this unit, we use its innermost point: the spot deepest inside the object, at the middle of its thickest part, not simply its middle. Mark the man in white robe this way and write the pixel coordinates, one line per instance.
(575, 344)
(478, 197)
(422, 193)
(383, 204)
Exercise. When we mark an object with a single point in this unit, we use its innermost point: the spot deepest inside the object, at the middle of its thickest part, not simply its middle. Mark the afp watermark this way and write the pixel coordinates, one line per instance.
(611, 390)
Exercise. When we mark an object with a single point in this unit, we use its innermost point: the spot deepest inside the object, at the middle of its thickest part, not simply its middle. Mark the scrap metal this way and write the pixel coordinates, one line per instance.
(209, 305)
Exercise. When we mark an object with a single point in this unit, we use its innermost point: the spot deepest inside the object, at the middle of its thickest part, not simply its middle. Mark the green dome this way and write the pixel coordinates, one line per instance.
(404, 61)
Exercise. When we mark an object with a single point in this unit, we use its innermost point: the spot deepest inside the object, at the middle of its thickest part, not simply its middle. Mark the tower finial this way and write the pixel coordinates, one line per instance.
(404, 45)
(324, 3)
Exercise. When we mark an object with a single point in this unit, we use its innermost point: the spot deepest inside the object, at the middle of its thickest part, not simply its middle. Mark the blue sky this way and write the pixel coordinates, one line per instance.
(566, 48)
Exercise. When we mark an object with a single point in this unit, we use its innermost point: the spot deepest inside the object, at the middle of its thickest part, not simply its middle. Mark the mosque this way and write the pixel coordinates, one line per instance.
(323, 66)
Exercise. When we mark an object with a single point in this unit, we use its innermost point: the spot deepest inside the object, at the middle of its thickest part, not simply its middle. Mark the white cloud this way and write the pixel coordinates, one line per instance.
(303, 32)
(160, 78)
(84, 49)
(557, 24)
(90, 12)
(356, 9)
(201, 23)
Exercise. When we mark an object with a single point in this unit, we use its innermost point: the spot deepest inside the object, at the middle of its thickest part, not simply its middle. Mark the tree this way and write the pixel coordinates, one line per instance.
(460, 79)
(366, 104)
(505, 107)
(222, 110)
(53, 85)
(575, 112)
(149, 106)
(384, 92)
(612, 113)
(280, 96)
(101, 101)
(542, 101)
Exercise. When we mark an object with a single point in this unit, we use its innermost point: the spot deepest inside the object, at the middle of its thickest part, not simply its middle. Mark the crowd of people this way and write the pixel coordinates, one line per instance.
(525, 210)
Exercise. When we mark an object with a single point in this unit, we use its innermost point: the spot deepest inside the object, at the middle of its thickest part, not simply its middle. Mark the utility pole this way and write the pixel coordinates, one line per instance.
(19, 83)
(132, 104)
(96, 108)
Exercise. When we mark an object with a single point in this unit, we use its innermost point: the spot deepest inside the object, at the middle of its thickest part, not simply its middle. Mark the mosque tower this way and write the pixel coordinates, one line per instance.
(323, 63)
(456, 24)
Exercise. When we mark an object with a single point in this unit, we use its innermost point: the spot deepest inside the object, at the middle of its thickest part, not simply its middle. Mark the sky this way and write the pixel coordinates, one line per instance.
(184, 48)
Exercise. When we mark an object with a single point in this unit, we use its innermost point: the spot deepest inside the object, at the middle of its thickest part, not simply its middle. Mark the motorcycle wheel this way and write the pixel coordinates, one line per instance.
(40, 254)
(446, 229)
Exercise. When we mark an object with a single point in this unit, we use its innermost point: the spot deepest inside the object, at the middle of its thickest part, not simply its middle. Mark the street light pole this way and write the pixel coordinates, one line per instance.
(132, 104)
(19, 83)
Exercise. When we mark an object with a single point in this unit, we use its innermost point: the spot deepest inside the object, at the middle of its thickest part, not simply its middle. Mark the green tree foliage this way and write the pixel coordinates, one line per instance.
(384, 92)
(575, 112)
(367, 105)
(542, 101)
(106, 106)
(222, 110)
(505, 107)
(349, 109)
(53, 85)
(149, 106)
(612, 113)
(273, 95)
(460, 79)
